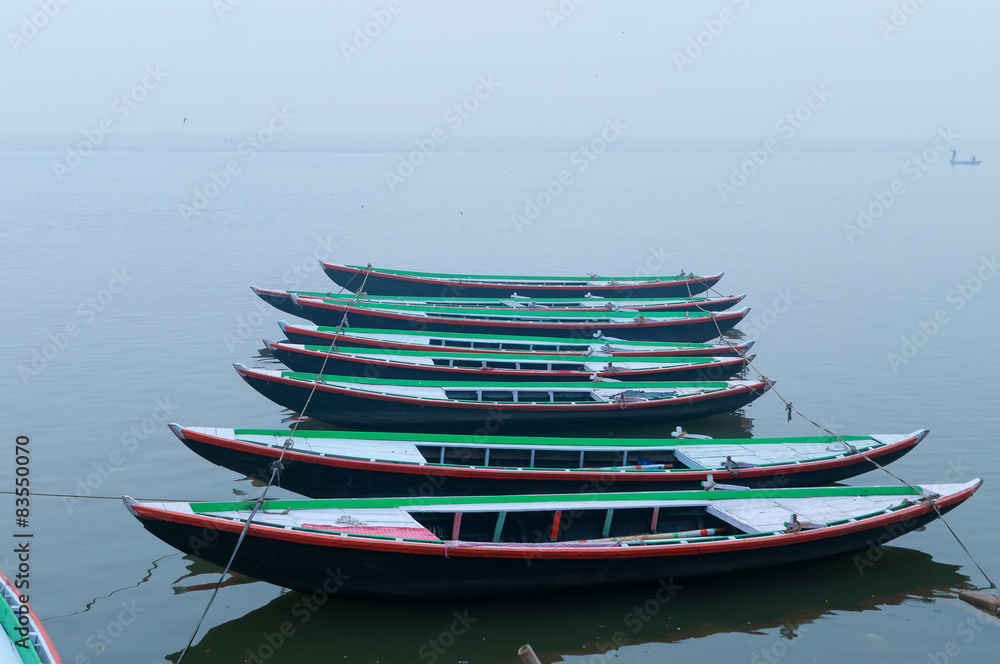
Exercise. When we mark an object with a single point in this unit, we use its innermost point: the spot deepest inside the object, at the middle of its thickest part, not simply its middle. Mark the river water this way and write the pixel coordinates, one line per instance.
(125, 310)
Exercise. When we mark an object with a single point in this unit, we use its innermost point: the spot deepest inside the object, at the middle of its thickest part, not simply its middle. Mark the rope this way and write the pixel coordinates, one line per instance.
(789, 409)
(79, 497)
(367, 271)
(276, 466)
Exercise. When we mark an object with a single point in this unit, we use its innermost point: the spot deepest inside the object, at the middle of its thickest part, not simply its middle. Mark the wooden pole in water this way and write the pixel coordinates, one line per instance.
(988, 603)
(528, 655)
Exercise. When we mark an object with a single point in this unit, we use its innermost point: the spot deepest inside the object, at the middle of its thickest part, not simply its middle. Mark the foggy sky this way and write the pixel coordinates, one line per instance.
(226, 71)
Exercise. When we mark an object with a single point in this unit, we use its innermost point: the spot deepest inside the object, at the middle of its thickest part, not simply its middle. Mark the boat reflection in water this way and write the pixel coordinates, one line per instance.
(572, 624)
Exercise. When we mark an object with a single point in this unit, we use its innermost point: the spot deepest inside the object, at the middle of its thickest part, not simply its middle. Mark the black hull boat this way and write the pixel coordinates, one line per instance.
(421, 548)
(349, 464)
(486, 343)
(654, 326)
(282, 299)
(377, 281)
(443, 365)
(473, 405)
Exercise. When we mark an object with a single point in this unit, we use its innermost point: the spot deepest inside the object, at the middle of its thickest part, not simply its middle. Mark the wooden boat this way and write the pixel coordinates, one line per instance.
(467, 405)
(352, 337)
(282, 299)
(649, 326)
(349, 464)
(442, 364)
(27, 641)
(378, 281)
(473, 546)
(970, 162)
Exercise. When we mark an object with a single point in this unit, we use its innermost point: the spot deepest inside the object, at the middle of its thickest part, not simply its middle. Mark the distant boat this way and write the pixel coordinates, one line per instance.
(970, 162)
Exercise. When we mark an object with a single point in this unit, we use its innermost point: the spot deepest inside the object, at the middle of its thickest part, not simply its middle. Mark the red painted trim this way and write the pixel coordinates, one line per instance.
(346, 337)
(346, 356)
(608, 324)
(502, 406)
(711, 280)
(402, 468)
(33, 617)
(476, 550)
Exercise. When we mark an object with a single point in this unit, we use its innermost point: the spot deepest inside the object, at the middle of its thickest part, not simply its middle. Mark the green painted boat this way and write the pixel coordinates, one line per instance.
(438, 546)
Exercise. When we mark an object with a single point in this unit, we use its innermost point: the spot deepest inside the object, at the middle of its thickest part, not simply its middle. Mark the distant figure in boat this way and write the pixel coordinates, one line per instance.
(971, 162)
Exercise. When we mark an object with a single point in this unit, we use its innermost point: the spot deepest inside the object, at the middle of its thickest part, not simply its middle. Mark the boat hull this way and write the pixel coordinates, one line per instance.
(310, 361)
(385, 283)
(352, 567)
(364, 409)
(282, 300)
(331, 477)
(349, 339)
(695, 328)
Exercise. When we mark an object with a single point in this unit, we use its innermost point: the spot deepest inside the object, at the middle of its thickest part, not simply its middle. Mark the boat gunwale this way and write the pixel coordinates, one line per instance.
(327, 331)
(741, 387)
(626, 474)
(445, 548)
(562, 319)
(515, 280)
(446, 353)
(47, 654)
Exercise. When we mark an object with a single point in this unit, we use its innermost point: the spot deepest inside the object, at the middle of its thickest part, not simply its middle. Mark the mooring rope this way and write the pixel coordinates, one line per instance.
(276, 465)
(367, 271)
(847, 446)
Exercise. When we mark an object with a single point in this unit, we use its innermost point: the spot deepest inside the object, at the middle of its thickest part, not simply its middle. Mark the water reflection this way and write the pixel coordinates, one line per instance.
(579, 623)
(208, 575)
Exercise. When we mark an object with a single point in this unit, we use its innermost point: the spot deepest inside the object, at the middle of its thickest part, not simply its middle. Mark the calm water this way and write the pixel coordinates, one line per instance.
(159, 306)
